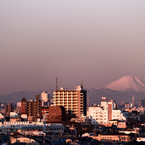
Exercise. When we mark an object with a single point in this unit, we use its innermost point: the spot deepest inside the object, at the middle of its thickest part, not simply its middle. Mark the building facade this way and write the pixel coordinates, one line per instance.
(31, 108)
(74, 101)
(23, 106)
(114, 137)
(104, 113)
(8, 109)
(45, 99)
(53, 114)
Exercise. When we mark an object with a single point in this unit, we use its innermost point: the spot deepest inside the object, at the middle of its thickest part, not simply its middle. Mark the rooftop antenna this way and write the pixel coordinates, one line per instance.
(56, 82)
(82, 84)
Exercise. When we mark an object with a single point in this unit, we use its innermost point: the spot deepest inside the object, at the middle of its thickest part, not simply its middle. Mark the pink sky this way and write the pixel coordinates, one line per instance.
(96, 41)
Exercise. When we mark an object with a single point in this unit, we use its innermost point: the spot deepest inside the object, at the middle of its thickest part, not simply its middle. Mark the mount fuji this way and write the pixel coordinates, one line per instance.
(127, 84)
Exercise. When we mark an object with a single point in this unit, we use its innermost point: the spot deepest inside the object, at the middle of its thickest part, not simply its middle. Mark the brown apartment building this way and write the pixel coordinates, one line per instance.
(8, 109)
(74, 101)
(31, 108)
(54, 114)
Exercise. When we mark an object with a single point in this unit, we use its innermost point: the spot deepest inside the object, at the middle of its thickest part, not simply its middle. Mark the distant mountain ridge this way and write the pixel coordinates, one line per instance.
(120, 90)
(17, 96)
(127, 84)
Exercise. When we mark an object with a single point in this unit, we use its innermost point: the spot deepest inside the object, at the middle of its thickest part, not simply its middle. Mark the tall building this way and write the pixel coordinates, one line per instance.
(104, 103)
(23, 106)
(31, 108)
(133, 100)
(110, 112)
(8, 109)
(74, 101)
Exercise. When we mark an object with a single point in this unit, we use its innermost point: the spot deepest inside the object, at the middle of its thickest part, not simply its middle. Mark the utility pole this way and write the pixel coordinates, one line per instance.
(56, 82)
(82, 83)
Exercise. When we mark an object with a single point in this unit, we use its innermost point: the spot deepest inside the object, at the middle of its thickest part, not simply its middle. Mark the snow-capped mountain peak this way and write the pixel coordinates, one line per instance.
(127, 83)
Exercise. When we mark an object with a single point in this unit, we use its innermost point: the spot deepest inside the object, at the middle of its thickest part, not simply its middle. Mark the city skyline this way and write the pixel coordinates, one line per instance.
(97, 42)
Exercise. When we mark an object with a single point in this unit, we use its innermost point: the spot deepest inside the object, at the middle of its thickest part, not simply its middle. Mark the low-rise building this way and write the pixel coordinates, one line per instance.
(139, 139)
(24, 140)
(114, 137)
(98, 115)
(121, 124)
(53, 114)
(14, 117)
(22, 127)
(106, 112)
(83, 120)
(113, 122)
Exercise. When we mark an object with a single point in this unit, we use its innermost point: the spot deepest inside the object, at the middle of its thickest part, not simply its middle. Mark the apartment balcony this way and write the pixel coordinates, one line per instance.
(69, 106)
(98, 116)
(75, 96)
(65, 104)
(65, 93)
(61, 96)
(70, 100)
(75, 112)
(75, 103)
(61, 104)
(75, 106)
(75, 100)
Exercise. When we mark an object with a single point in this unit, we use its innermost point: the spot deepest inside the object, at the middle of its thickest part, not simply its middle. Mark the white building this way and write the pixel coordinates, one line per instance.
(98, 115)
(45, 99)
(104, 113)
(14, 115)
(18, 104)
(118, 114)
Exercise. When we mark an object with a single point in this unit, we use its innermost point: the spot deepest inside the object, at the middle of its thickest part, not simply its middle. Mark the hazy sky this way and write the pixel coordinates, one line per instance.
(96, 41)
